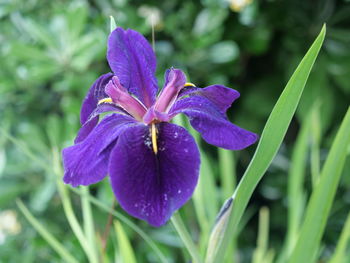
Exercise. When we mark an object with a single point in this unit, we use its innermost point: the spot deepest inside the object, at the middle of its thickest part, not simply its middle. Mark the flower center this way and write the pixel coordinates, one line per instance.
(121, 97)
(154, 138)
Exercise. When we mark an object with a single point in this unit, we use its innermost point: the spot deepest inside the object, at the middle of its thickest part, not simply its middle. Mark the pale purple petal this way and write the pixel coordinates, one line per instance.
(87, 162)
(175, 81)
(121, 97)
(95, 93)
(152, 186)
(206, 109)
(133, 61)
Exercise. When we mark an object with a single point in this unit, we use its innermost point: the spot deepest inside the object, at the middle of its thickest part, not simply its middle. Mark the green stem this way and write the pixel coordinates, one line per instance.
(68, 210)
(89, 227)
(54, 243)
(343, 243)
(128, 222)
(185, 237)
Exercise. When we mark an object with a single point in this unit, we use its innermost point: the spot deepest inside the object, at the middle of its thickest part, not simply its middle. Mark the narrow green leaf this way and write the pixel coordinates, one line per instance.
(296, 195)
(113, 24)
(42, 230)
(271, 139)
(263, 236)
(227, 172)
(315, 143)
(69, 211)
(344, 240)
(126, 221)
(322, 197)
(89, 227)
(227, 164)
(125, 249)
(185, 237)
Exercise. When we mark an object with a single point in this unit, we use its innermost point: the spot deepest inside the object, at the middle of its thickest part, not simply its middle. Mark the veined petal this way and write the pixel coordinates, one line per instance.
(92, 121)
(95, 93)
(206, 109)
(87, 162)
(152, 186)
(133, 61)
(219, 95)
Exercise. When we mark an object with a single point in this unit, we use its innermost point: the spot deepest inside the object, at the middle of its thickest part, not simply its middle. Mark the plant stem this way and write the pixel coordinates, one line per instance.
(107, 229)
(185, 237)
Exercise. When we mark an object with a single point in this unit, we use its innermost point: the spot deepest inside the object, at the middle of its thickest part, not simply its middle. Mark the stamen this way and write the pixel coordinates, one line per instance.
(105, 100)
(189, 84)
(154, 138)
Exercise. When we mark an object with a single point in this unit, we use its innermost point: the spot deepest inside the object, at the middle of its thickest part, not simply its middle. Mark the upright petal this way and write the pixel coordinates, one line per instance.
(152, 186)
(87, 162)
(133, 61)
(174, 81)
(95, 93)
(206, 109)
(122, 98)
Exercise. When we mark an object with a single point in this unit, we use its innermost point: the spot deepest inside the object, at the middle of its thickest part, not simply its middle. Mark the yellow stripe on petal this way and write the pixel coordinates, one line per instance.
(189, 84)
(154, 138)
(105, 100)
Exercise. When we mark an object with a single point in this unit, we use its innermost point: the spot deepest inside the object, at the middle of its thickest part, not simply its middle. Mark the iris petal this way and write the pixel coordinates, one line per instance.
(206, 109)
(87, 162)
(133, 61)
(152, 186)
(95, 93)
(90, 123)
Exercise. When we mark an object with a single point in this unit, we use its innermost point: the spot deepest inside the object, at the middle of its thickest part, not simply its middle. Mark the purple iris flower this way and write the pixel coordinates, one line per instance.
(153, 164)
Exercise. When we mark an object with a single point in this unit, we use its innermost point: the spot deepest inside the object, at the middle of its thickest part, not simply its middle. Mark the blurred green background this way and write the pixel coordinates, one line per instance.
(52, 51)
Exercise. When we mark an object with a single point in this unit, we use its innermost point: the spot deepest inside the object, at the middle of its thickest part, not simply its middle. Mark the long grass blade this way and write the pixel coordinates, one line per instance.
(53, 242)
(185, 237)
(296, 193)
(89, 227)
(69, 211)
(127, 222)
(271, 139)
(321, 200)
(125, 249)
(344, 240)
(263, 236)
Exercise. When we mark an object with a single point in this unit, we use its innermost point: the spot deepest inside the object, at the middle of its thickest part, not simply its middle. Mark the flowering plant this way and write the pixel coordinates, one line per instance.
(153, 164)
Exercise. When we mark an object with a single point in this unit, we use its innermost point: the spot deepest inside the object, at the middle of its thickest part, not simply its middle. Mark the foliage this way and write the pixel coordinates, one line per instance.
(52, 51)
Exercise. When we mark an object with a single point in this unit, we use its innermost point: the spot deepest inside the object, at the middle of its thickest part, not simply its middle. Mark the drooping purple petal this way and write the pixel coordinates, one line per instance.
(92, 121)
(133, 61)
(95, 93)
(87, 162)
(152, 186)
(206, 109)
(219, 95)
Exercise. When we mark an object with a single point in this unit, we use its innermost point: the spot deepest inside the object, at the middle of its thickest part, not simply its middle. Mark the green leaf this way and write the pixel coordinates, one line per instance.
(113, 25)
(296, 195)
(261, 253)
(344, 240)
(322, 197)
(271, 139)
(185, 237)
(125, 249)
(53, 242)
